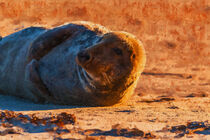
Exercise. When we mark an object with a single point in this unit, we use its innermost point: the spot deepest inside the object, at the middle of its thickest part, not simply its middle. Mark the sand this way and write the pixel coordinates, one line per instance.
(172, 98)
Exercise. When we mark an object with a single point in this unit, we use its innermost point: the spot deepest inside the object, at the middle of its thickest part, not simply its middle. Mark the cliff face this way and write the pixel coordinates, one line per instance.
(175, 34)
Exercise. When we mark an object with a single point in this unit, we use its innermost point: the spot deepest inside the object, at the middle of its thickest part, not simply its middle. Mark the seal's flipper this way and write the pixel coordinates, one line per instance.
(50, 39)
(38, 88)
(0, 38)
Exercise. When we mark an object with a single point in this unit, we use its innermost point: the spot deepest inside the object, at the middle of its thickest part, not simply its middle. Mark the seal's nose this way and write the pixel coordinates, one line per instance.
(83, 56)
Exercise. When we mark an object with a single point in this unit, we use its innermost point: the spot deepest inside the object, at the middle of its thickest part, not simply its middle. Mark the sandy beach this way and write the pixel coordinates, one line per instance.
(171, 100)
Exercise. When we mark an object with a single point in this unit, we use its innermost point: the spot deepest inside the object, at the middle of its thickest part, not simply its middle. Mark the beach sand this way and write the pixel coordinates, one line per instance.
(172, 97)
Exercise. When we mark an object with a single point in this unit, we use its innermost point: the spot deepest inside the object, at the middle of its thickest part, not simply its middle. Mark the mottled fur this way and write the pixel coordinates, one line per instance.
(43, 64)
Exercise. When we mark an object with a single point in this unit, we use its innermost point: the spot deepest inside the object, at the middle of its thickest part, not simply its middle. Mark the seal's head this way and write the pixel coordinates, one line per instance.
(113, 66)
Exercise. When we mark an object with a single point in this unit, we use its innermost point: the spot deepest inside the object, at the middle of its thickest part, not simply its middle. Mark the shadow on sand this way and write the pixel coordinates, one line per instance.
(18, 104)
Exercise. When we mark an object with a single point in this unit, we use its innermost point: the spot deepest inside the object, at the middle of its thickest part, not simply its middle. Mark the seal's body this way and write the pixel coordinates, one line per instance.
(78, 64)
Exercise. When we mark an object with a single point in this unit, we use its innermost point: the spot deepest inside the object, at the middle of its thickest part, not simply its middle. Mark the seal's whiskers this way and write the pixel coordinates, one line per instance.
(106, 77)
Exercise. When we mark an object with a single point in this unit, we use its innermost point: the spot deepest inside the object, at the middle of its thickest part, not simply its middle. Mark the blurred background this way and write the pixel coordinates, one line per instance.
(175, 34)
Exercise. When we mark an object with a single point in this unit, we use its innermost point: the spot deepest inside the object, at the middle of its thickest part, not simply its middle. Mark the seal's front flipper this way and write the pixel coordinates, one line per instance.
(34, 82)
(50, 39)
(0, 38)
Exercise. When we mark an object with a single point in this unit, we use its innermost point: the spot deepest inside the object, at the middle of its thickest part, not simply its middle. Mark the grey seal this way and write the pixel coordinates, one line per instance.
(79, 63)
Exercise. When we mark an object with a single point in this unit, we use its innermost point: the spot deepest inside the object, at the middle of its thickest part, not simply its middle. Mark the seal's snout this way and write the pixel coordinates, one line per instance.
(83, 57)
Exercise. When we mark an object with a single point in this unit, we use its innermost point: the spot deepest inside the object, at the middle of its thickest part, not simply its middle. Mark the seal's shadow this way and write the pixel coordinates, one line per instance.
(18, 104)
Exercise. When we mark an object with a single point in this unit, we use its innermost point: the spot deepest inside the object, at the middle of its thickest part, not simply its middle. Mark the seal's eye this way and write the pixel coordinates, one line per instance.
(118, 51)
(134, 56)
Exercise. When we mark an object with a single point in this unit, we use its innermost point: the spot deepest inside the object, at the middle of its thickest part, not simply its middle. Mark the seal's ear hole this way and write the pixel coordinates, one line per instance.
(117, 51)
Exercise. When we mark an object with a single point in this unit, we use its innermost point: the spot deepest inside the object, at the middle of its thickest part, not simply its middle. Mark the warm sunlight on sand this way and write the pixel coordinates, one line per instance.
(172, 97)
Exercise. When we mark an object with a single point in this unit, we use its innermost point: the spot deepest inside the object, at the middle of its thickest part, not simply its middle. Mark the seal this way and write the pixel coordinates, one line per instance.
(79, 63)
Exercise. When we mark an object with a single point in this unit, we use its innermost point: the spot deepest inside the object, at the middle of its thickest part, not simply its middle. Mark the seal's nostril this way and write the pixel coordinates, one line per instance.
(83, 56)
